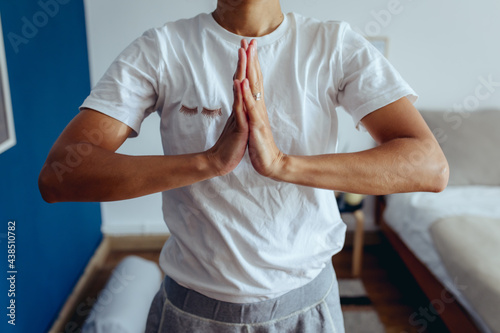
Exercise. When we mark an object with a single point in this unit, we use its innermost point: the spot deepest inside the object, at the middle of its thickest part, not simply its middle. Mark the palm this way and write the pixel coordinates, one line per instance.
(262, 150)
(264, 153)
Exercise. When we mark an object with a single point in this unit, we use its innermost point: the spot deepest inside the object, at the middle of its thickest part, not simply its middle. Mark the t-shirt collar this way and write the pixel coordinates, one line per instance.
(236, 39)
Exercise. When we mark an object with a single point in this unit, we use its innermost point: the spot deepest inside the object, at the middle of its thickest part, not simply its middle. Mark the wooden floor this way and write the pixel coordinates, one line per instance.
(394, 293)
(396, 296)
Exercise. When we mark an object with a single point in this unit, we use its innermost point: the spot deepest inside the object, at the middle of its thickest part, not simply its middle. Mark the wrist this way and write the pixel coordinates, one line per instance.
(282, 167)
(208, 164)
(215, 166)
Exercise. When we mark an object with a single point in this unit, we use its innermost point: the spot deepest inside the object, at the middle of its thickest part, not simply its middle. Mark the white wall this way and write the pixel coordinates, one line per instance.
(442, 49)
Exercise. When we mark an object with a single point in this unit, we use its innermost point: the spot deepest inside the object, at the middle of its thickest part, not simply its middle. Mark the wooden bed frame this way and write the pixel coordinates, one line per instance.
(456, 318)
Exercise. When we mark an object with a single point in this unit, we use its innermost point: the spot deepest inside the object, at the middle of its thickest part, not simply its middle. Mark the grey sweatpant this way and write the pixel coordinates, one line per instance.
(313, 308)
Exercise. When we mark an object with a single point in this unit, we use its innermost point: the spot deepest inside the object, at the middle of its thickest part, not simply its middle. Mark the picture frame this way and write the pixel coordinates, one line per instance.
(7, 129)
(381, 43)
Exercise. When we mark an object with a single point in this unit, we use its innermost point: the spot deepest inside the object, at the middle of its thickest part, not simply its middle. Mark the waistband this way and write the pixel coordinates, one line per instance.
(296, 300)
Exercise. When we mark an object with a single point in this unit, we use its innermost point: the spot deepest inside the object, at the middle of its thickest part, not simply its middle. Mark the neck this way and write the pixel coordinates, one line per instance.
(251, 18)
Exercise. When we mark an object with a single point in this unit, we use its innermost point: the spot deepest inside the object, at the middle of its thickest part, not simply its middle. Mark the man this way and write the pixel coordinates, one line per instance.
(250, 160)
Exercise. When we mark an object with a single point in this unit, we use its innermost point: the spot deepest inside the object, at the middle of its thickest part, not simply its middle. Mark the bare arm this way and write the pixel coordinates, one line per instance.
(407, 159)
(83, 165)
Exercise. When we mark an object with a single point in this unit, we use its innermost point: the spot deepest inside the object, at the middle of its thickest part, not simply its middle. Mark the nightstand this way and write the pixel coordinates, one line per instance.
(353, 204)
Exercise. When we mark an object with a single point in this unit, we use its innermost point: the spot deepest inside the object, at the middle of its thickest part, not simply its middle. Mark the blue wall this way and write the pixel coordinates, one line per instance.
(49, 78)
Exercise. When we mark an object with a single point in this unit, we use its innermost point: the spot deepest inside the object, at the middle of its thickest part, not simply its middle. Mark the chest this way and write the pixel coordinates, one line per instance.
(199, 98)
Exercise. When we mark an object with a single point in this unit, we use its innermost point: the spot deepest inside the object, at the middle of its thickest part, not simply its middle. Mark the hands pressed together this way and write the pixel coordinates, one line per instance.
(248, 125)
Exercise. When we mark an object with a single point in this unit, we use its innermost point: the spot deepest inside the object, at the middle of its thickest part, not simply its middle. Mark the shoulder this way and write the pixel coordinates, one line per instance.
(311, 24)
(181, 27)
(331, 32)
(164, 40)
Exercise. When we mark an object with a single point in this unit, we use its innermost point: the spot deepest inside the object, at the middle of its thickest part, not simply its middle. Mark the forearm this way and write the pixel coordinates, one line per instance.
(103, 175)
(400, 165)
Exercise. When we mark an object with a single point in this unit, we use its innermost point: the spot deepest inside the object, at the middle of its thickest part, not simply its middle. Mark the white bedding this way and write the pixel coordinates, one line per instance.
(411, 214)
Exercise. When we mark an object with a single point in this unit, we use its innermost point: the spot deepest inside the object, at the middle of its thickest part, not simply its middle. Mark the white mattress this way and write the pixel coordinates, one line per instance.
(411, 214)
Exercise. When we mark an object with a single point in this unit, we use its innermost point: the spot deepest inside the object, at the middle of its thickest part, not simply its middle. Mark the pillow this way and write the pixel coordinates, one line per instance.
(470, 142)
(467, 247)
(123, 305)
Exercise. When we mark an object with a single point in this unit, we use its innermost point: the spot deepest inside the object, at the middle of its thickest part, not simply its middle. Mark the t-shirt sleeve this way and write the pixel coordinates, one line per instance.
(369, 81)
(128, 91)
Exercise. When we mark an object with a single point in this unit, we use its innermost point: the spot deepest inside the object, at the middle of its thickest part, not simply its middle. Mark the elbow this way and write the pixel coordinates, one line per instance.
(441, 180)
(434, 171)
(439, 175)
(46, 186)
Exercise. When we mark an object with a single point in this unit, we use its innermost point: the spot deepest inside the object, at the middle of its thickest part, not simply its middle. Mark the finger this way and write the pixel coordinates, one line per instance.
(255, 56)
(254, 74)
(242, 65)
(248, 100)
(244, 44)
(238, 111)
(237, 100)
(253, 42)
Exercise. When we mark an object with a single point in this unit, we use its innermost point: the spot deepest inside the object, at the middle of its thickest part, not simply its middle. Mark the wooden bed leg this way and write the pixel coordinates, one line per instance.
(357, 255)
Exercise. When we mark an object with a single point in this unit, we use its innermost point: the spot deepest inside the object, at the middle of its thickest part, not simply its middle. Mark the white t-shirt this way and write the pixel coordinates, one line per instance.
(243, 237)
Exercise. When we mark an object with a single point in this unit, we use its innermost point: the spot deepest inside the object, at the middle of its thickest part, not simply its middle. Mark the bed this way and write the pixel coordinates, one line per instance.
(450, 241)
